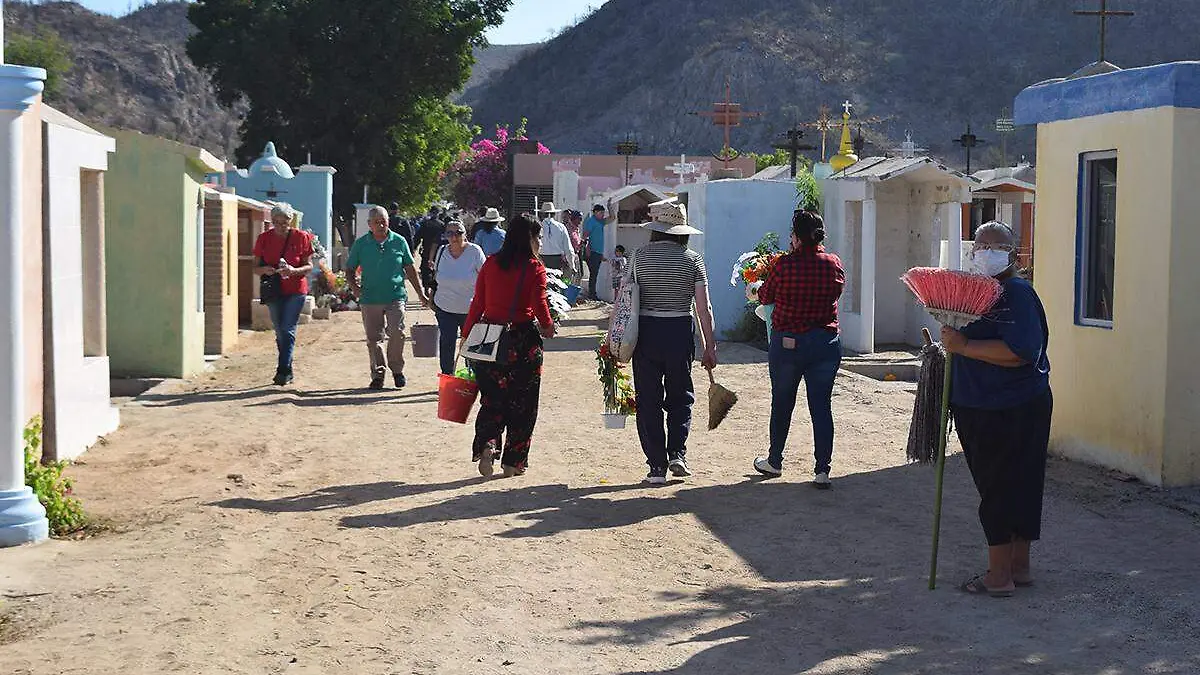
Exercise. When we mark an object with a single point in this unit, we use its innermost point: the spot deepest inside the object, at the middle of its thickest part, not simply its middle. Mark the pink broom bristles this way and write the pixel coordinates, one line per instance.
(948, 295)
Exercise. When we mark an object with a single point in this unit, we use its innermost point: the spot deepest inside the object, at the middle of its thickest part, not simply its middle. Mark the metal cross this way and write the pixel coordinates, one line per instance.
(682, 169)
(628, 148)
(969, 141)
(728, 115)
(823, 124)
(848, 107)
(1103, 13)
(793, 144)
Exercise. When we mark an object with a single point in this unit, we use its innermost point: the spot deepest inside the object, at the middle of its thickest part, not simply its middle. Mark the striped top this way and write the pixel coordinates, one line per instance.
(667, 274)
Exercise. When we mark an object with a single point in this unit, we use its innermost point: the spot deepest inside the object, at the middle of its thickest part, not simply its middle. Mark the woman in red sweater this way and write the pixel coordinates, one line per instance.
(511, 290)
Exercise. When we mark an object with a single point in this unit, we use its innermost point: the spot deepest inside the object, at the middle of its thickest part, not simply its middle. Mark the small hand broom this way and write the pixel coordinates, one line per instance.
(954, 299)
(720, 402)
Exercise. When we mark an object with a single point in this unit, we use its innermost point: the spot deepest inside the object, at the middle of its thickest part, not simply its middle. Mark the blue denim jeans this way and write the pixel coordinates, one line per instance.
(815, 359)
(662, 381)
(285, 314)
(449, 327)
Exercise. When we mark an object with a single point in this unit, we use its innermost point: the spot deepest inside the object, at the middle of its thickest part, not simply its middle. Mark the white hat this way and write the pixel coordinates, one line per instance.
(670, 218)
(548, 207)
(492, 216)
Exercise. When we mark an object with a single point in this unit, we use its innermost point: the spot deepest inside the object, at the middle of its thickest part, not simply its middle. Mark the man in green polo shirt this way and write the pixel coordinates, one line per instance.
(385, 261)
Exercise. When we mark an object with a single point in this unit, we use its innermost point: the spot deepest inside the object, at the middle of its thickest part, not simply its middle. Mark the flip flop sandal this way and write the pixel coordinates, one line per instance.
(975, 586)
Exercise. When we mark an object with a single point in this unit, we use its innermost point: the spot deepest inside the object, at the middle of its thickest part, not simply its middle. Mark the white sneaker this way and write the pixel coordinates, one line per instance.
(822, 482)
(764, 467)
(656, 477)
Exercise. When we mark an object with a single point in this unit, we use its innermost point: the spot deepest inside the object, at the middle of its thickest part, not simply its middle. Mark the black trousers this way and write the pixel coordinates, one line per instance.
(662, 382)
(1006, 452)
(508, 398)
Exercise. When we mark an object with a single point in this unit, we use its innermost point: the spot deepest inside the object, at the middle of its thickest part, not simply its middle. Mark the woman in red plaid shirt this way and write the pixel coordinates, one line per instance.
(804, 286)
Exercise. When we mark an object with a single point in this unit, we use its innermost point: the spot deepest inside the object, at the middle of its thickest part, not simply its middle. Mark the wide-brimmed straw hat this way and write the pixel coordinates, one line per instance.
(492, 216)
(670, 218)
(548, 207)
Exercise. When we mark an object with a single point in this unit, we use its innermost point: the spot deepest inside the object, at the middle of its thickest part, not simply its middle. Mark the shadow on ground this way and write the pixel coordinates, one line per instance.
(268, 396)
(847, 572)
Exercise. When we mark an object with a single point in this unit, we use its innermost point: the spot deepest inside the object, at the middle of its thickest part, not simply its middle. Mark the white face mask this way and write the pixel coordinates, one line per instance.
(990, 263)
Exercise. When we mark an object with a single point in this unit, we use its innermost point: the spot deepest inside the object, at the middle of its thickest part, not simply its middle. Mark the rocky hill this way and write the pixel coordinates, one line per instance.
(641, 65)
(491, 61)
(132, 72)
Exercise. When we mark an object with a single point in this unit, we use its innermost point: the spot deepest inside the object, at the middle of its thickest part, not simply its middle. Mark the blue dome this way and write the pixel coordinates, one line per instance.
(271, 163)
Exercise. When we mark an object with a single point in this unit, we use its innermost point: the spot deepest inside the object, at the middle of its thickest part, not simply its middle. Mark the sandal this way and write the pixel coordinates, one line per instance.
(975, 586)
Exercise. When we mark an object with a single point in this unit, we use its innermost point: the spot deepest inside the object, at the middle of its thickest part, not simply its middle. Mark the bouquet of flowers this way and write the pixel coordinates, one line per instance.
(559, 307)
(618, 385)
(754, 267)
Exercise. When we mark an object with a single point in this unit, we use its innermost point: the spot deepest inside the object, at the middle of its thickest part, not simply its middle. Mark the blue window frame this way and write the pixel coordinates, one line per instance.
(1096, 239)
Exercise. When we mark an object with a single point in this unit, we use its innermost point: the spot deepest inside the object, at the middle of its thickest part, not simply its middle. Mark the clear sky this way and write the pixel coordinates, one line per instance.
(527, 21)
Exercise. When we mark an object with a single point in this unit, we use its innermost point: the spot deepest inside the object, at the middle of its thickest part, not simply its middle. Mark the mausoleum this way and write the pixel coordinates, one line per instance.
(309, 189)
(884, 216)
(1118, 163)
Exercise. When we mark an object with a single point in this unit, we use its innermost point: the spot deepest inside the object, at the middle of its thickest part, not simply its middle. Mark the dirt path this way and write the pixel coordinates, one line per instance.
(325, 529)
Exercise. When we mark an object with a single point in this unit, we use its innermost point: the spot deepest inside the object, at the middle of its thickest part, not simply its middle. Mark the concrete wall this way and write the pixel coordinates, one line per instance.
(221, 281)
(735, 215)
(1181, 454)
(155, 322)
(1111, 385)
(77, 406)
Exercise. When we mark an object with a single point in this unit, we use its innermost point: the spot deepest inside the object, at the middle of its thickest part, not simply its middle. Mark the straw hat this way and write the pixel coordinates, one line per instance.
(492, 216)
(670, 218)
(548, 207)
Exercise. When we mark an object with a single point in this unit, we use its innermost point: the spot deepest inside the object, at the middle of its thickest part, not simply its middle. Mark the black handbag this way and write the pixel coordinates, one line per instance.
(270, 286)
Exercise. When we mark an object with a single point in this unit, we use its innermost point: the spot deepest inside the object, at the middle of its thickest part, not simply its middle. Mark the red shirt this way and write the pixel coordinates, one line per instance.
(804, 286)
(269, 248)
(496, 289)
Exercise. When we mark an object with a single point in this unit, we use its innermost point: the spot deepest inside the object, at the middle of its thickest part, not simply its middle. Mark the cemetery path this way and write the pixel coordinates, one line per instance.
(323, 528)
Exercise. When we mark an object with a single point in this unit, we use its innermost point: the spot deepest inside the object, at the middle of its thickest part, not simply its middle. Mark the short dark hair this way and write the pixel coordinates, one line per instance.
(681, 239)
(619, 249)
(808, 226)
(598, 207)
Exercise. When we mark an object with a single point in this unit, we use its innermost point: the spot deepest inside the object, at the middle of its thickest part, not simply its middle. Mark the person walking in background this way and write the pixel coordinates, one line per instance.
(804, 286)
(385, 261)
(672, 279)
(619, 262)
(558, 253)
(573, 220)
(488, 233)
(285, 251)
(511, 291)
(400, 225)
(1002, 407)
(456, 270)
(430, 237)
(593, 239)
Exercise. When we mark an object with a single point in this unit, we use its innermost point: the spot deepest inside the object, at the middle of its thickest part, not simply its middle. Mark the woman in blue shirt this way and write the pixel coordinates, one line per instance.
(1002, 405)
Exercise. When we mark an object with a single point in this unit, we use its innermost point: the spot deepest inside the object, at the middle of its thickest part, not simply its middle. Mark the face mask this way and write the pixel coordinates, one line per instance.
(990, 263)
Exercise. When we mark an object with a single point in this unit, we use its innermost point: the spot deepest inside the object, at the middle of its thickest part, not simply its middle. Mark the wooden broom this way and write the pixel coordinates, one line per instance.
(954, 299)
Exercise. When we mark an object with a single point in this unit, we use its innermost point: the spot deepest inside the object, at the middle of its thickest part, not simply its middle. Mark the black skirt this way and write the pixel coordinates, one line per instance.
(1006, 451)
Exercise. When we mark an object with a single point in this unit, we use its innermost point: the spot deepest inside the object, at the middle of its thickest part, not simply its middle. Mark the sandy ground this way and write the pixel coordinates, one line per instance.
(324, 529)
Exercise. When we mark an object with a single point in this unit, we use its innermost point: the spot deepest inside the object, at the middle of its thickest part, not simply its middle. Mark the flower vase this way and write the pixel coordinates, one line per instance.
(614, 420)
(764, 312)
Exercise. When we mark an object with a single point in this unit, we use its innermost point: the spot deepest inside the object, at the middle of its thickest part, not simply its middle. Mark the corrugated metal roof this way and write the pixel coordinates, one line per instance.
(878, 169)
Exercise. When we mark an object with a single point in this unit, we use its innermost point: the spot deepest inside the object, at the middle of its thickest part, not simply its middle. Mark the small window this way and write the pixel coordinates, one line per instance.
(1097, 238)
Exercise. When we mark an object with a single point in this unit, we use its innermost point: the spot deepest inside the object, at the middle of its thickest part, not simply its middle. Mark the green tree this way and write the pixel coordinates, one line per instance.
(43, 49)
(361, 85)
(768, 160)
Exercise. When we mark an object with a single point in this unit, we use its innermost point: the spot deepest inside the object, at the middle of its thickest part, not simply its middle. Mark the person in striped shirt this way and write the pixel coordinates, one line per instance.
(671, 279)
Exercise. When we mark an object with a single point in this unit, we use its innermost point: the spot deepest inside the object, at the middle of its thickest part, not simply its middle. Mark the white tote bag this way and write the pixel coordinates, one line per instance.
(623, 328)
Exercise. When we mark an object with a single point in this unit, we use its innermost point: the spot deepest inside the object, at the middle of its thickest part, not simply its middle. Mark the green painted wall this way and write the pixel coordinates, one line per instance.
(155, 322)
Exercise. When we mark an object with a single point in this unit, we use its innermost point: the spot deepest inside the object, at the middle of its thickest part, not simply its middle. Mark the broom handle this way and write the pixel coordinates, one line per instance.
(711, 379)
(943, 433)
(927, 336)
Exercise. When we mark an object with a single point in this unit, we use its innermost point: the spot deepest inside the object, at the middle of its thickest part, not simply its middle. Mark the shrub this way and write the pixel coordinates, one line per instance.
(52, 488)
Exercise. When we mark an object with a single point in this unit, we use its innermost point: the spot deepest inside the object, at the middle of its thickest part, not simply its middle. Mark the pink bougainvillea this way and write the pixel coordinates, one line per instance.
(481, 176)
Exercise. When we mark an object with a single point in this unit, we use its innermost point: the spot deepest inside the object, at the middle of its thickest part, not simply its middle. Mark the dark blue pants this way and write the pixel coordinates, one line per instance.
(662, 380)
(815, 359)
(285, 315)
(449, 327)
(594, 261)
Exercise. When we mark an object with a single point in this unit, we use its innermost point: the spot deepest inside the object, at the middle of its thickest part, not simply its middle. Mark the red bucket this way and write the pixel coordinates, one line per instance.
(456, 396)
